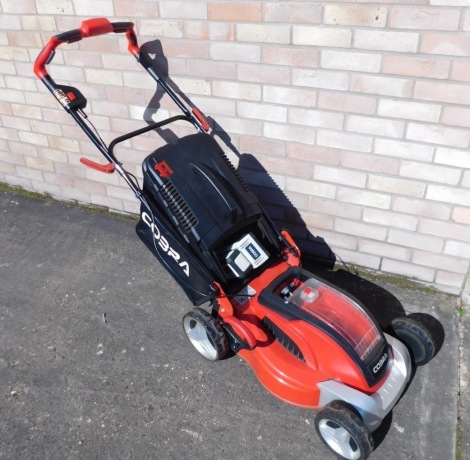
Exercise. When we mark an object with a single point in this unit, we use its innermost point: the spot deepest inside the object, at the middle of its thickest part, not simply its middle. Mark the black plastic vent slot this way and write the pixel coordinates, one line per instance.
(235, 172)
(178, 206)
(283, 338)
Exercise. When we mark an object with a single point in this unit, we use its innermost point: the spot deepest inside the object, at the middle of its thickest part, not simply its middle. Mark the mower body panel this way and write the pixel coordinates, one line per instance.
(295, 350)
(375, 407)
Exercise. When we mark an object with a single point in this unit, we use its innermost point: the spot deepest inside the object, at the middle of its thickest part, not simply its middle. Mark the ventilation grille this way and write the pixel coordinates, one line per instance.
(235, 172)
(178, 207)
(283, 338)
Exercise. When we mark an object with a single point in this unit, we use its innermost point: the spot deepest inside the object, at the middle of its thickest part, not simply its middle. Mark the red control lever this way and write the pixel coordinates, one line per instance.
(107, 168)
(202, 119)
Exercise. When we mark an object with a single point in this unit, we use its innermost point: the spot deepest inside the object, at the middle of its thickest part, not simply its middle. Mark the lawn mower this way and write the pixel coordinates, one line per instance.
(309, 342)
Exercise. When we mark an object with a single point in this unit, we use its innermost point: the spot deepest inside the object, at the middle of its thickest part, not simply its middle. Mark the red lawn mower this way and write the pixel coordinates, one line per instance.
(309, 343)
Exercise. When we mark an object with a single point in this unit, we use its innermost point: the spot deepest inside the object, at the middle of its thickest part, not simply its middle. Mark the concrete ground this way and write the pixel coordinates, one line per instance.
(94, 363)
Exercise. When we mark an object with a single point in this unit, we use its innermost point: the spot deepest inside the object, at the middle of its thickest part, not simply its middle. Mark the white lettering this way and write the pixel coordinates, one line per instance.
(146, 219)
(163, 243)
(379, 365)
(174, 254)
(185, 266)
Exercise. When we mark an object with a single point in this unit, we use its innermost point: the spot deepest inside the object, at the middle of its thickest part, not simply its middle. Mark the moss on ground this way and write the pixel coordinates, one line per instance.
(47, 197)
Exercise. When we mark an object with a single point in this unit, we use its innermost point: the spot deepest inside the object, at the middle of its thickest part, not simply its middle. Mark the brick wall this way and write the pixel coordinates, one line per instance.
(359, 111)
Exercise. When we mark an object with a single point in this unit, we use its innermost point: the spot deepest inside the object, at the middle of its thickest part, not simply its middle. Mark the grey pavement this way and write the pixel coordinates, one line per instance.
(94, 363)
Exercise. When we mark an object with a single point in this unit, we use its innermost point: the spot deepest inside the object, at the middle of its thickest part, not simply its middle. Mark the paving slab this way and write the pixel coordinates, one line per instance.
(94, 362)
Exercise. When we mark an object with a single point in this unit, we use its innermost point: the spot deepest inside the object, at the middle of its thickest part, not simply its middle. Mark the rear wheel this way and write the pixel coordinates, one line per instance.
(344, 432)
(206, 334)
(416, 337)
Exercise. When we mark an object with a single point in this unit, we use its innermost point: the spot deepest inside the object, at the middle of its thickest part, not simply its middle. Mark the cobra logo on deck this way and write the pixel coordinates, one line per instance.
(379, 365)
(163, 243)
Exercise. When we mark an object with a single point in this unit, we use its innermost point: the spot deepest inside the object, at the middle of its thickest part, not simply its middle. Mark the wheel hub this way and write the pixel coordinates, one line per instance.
(339, 439)
(198, 336)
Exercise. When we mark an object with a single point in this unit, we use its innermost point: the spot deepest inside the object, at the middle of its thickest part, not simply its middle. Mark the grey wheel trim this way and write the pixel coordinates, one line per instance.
(206, 334)
(339, 439)
(197, 335)
(343, 431)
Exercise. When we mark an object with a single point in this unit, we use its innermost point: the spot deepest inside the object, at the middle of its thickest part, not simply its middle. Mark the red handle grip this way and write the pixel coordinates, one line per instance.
(97, 26)
(89, 28)
(45, 56)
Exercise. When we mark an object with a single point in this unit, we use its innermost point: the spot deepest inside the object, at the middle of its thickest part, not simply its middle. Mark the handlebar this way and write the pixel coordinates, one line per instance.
(88, 28)
(74, 102)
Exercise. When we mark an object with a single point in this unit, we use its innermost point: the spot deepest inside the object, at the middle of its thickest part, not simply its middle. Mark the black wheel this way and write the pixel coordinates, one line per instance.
(344, 432)
(206, 334)
(416, 337)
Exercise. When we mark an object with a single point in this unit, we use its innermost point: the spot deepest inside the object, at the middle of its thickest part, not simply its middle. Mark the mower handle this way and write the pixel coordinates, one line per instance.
(88, 28)
(92, 28)
(74, 102)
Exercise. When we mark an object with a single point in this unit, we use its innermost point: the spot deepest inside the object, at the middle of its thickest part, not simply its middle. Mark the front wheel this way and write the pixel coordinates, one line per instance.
(344, 432)
(416, 337)
(206, 334)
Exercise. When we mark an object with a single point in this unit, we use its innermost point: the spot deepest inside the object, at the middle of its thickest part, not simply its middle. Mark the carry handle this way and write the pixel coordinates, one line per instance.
(89, 28)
